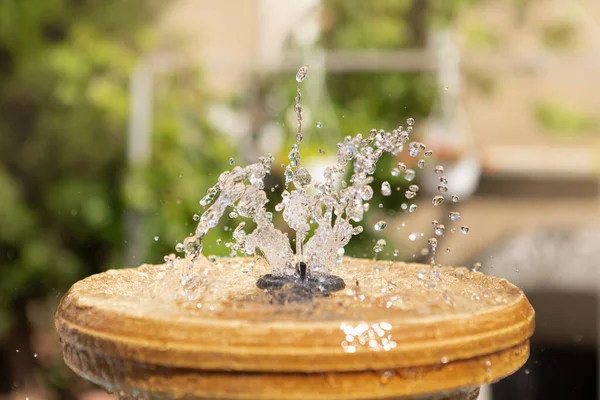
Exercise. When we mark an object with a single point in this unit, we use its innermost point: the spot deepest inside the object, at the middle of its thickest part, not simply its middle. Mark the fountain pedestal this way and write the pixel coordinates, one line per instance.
(394, 332)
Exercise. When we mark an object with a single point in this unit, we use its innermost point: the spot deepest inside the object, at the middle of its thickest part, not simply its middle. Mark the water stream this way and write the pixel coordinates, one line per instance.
(332, 209)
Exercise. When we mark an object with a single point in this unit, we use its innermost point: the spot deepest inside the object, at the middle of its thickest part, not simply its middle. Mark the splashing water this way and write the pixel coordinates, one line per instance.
(329, 211)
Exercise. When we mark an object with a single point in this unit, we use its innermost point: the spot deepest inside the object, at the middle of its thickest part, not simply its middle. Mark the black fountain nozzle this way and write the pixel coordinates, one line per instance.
(301, 270)
(323, 284)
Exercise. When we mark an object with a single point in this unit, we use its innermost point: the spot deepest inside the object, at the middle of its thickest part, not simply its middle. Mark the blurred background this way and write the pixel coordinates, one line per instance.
(115, 118)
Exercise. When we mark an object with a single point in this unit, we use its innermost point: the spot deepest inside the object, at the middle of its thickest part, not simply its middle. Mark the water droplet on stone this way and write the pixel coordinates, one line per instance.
(379, 246)
(439, 230)
(444, 360)
(413, 236)
(401, 166)
(381, 225)
(464, 229)
(454, 216)
(219, 241)
(421, 163)
(386, 190)
(454, 198)
(410, 121)
(233, 214)
(428, 153)
(442, 189)
(437, 200)
(319, 124)
(179, 247)
(410, 194)
(432, 242)
(156, 238)
(412, 208)
(414, 188)
(196, 217)
(439, 170)
(526, 371)
(443, 180)
(231, 161)
(395, 172)
(409, 174)
(404, 206)
(476, 267)
(396, 252)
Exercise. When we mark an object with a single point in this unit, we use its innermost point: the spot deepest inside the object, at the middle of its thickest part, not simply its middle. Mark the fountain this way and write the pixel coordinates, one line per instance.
(309, 324)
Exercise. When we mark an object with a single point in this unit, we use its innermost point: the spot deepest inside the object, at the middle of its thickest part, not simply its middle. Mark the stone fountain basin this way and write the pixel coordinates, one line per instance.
(393, 332)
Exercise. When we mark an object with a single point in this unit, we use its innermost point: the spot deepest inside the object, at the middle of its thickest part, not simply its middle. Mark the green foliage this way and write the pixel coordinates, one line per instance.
(563, 120)
(559, 35)
(64, 69)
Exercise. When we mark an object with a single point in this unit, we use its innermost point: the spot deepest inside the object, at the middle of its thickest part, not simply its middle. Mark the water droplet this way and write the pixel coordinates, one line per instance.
(395, 172)
(396, 252)
(386, 190)
(421, 163)
(454, 216)
(476, 267)
(412, 208)
(233, 214)
(379, 246)
(526, 371)
(428, 153)
(401, 166)
(319, 124)
(231, 161)
(444, 360)
(302, 177)
(437, 200)
(433, 242)
(156, 238)
(439, 170)
(413, 236)
(464, 229)
(196, 217)
(404, 206)
(179, 247)
(381, 225)
(454, 198)
(409, 174)
(439, 230)
(301, 74)
(443, 180)
(414, 188)
(410, 194)
(410, 121)
(442, 189)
